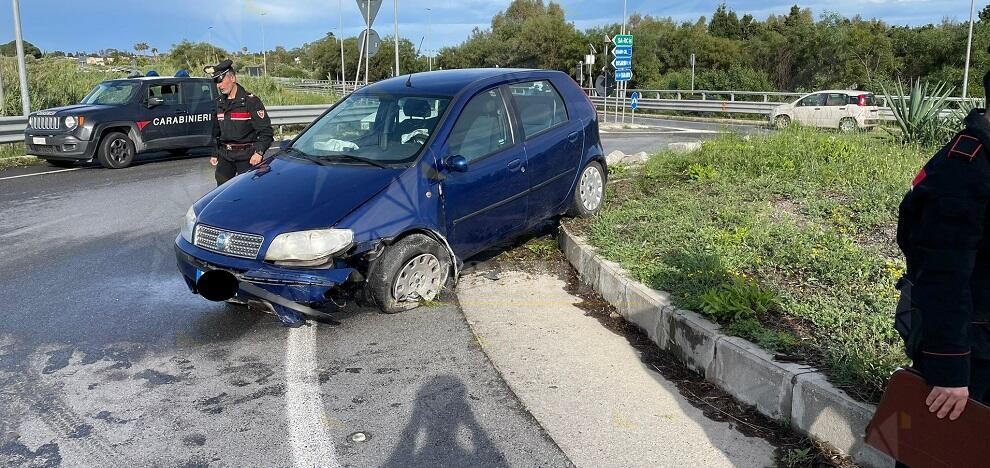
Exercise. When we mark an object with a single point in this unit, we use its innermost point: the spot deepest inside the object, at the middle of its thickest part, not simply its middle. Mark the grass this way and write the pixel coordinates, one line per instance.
(786, 239)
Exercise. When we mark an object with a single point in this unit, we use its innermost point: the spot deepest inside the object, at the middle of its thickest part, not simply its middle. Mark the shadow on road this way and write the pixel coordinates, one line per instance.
(441, 419)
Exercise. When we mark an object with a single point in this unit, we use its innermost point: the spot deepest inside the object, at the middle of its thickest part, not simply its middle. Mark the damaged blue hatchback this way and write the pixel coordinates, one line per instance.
(387, 193)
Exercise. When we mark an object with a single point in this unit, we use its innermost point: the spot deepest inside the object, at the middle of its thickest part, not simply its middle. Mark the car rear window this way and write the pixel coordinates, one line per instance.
(539, 106)
(863, 100)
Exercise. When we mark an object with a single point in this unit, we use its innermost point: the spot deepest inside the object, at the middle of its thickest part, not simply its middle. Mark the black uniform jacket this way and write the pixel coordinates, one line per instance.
(943, 232)
(240, 121)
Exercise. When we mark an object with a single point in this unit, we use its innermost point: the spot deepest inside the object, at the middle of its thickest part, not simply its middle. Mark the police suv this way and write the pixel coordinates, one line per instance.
(120, 118)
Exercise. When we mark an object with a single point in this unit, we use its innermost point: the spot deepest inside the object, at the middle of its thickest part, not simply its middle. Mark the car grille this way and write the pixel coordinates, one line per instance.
(43, 122)
(235, 244)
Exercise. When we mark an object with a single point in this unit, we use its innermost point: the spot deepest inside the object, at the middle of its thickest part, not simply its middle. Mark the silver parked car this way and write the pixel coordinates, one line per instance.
(844, 110)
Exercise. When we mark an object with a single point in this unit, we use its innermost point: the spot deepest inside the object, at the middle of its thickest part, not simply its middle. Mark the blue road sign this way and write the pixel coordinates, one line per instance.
(621, 63)
(622, 51)
(635, 96)
(623, 75)
(634, 102)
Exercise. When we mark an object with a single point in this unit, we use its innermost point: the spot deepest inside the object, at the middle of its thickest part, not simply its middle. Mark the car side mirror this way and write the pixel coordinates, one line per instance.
(154, 102)
(456, 163)
(284, 144)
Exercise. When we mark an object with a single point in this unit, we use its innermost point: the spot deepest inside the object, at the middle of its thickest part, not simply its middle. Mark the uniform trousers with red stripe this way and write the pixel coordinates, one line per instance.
(232, 163)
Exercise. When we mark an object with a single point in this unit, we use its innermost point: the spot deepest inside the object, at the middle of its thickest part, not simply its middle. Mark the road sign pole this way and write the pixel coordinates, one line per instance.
(395, 8)
(22, 70)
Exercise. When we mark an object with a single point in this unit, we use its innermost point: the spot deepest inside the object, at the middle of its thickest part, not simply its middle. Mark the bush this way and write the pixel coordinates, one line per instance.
(738, 300)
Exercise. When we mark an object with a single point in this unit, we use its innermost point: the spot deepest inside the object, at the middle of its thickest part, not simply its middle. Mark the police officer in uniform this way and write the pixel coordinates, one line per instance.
(944, 232)
(242, 129)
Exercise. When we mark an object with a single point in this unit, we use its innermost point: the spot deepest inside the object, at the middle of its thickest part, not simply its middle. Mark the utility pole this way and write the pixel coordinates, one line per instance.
(264, 49)
(692, 73)
(969, 46)
(395, 11)
(213, 51)
(367, 44)
(22, 71)
(429, 32)
(624, 83)
(340, 33)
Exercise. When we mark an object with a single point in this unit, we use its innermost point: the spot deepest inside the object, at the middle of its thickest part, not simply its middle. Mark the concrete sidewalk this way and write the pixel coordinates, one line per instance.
(587, 386)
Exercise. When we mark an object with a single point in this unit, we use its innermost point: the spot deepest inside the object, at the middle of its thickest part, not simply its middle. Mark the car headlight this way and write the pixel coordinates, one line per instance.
(188, 224)
(70, 122)
(313, 247)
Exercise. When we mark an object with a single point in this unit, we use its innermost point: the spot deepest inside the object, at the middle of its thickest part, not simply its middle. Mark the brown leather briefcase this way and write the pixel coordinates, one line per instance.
(904, 428)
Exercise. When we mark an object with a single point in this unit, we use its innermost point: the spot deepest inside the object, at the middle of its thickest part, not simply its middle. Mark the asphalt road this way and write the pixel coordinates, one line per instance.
(107, 360)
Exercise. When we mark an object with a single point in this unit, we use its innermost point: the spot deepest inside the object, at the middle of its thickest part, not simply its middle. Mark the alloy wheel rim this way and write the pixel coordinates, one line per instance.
(420, 279)
(118, 150)
(591, 189)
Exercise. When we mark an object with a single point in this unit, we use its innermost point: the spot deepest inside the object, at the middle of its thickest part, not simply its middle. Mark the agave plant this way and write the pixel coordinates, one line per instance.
(919, 114)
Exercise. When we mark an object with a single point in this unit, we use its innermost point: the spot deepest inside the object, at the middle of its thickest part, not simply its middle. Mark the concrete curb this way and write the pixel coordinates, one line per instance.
(796, 394)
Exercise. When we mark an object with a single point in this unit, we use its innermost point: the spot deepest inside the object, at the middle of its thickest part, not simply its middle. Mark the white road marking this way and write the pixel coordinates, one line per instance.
(309, 435)
(41, 173)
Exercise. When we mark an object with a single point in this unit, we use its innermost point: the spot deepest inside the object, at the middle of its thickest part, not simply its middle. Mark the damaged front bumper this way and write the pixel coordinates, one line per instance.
(257, 280)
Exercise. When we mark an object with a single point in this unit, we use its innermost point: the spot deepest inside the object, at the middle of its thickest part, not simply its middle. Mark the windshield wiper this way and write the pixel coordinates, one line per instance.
(304, 155)
(348, 157)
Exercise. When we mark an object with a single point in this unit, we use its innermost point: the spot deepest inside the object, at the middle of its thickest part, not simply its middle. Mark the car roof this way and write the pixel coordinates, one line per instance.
(451, 82)
(159, 78)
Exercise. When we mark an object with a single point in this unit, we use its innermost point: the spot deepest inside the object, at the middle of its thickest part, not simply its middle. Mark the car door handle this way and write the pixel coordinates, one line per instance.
(514, 165)
(573, 137)
(818, 108)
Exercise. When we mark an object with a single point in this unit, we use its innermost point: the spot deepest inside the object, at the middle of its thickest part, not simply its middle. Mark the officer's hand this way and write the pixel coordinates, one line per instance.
(948, 401)
(213, 161)
(255, 159)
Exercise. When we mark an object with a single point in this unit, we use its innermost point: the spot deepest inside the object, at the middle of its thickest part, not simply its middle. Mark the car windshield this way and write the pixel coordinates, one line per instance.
(111, 93)
(381, 128)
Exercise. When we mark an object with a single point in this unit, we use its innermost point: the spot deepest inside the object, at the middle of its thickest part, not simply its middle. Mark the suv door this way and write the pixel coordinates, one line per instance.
(808, 110)
(488, 202)
(164, 128)
(553, 145)
(202, 109)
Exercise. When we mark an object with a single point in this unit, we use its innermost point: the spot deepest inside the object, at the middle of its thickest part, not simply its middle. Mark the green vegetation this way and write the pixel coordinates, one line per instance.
(786, 239)
(919, 117)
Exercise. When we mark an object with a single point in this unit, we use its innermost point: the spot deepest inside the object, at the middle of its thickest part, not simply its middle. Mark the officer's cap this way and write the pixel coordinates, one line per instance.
(219, 70)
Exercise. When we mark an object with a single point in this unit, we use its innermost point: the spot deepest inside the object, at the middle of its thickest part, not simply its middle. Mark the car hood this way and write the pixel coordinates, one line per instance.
(75, 109)
(286, 195)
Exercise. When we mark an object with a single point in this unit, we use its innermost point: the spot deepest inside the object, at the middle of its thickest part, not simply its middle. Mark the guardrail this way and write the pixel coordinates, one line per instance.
(12, 128)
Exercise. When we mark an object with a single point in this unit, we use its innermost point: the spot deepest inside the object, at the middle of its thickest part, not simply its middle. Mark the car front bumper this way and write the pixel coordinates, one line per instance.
(311, 287)
(65, 147)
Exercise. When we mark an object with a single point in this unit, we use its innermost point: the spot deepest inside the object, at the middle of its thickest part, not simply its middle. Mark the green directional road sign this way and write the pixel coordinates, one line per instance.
(623, 40)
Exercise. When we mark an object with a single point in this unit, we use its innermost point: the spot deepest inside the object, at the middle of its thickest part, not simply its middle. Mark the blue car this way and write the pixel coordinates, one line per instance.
(387, 193)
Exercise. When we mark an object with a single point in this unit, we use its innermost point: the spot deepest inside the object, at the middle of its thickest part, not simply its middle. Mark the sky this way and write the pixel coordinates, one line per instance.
(74, 25)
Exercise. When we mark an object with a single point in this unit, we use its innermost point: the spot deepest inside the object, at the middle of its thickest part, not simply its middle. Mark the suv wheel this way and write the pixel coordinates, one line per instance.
(413, 270)
(116, 151)
(589, 194)
(847, 125)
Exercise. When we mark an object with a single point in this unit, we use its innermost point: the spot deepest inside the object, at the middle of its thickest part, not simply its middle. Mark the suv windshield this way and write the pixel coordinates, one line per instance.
(383, 128)
(111, 93)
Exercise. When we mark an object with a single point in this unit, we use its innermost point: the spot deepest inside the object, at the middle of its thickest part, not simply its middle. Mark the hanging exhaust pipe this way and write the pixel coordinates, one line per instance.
(217, 285)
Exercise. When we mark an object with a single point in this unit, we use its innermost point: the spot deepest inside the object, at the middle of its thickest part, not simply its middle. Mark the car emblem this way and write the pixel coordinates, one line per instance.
(222, 239)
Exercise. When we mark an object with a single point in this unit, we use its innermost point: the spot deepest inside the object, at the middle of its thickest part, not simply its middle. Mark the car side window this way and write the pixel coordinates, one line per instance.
(813, 100)
(837, 100)
(168, 91)
(483, 127)
(538, 105)
(198, 95)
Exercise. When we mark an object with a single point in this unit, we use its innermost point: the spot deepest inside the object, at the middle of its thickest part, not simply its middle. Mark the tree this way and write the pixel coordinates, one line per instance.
(10, 49)
(985, 14)
(140, 47)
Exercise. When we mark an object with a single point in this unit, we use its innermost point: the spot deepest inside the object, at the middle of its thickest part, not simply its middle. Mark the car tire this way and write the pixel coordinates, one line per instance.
(847, 125)
(589, 193)
(782, 121)
(412, 270)
(179, 151)
(116, 151)
(60, 163)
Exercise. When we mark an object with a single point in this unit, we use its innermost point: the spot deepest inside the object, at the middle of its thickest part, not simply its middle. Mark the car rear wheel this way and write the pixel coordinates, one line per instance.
(847, 125)
(116, 151)
(782, 121)
(60, 163)
(409, 272)
(589, 194)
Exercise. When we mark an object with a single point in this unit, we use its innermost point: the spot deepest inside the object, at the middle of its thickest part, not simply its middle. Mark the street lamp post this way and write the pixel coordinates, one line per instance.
(340, 31)
(969, 46)
(429, 31)
(395, 13)
(213, 51)
(22, 71)
(264, 49)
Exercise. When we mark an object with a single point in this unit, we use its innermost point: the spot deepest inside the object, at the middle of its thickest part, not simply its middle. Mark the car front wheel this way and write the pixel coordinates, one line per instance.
(782, 121)
(409, 272)
(590, 191)
(116, 151)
